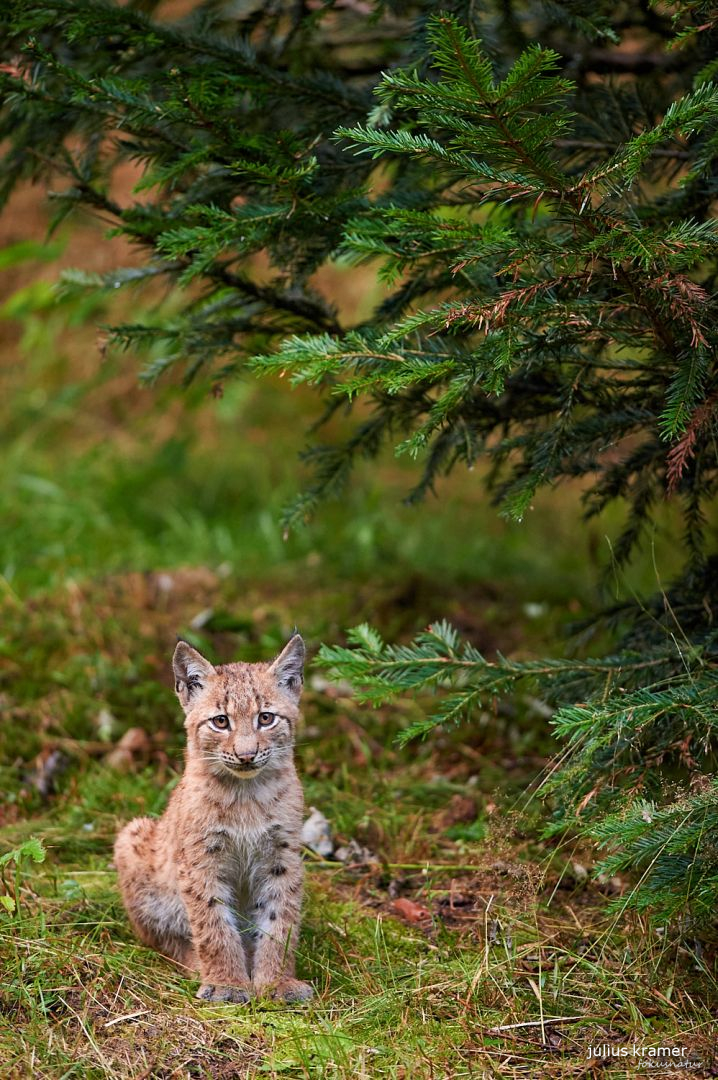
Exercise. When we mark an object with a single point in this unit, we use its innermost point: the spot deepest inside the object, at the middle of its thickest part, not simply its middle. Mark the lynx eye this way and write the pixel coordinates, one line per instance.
(266, 719)
(220, 723)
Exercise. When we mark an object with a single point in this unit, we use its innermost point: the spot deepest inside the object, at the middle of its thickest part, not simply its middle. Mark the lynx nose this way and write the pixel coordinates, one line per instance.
(246, 757)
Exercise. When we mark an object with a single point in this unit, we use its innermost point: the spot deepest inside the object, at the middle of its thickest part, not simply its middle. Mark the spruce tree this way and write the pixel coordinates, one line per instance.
(543, 218)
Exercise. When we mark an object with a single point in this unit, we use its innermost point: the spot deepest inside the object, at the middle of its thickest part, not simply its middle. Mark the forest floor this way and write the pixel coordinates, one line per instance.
(455, 941)
(448, 923)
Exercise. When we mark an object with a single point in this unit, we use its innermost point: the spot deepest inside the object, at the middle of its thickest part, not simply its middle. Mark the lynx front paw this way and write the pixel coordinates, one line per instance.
(289, 990)
(238, 995)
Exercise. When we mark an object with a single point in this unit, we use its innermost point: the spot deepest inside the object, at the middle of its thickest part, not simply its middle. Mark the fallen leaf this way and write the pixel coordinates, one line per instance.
(119, 759)
(134, 747)
(410, 910)
(136, 740)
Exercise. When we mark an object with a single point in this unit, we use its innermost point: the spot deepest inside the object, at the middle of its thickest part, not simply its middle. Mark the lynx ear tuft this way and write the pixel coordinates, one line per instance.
(288, 668)
(191, 671)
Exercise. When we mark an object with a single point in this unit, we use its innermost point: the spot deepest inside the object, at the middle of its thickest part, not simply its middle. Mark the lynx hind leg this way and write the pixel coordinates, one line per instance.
(157, 914)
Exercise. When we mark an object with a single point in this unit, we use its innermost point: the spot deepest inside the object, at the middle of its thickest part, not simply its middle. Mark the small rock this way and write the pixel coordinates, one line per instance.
(106, 725)
(394, 888)
(317, 834)
(49, 764)
(355, 854)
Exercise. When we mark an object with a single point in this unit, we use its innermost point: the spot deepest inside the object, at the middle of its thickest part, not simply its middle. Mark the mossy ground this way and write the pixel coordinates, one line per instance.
(131, 516)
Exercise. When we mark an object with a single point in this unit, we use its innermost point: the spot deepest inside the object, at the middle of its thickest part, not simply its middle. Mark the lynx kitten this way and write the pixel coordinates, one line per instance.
(216, 882)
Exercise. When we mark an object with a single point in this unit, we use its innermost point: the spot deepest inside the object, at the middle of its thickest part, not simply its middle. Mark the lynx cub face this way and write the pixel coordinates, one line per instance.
(216, 883)
(240, 719)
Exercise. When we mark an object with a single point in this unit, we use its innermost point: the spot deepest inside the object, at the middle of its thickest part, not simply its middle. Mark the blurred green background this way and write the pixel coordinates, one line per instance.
(102, 474)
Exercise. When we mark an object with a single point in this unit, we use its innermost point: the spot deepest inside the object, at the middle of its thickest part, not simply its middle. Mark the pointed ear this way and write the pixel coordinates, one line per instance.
(191, 671)
(288, 668)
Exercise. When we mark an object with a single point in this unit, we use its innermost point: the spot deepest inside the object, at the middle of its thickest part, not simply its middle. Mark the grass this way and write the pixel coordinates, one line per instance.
(133, 515)
(514, 934)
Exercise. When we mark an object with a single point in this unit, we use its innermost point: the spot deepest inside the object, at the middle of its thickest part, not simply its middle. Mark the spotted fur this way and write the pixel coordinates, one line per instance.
(216, 882)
